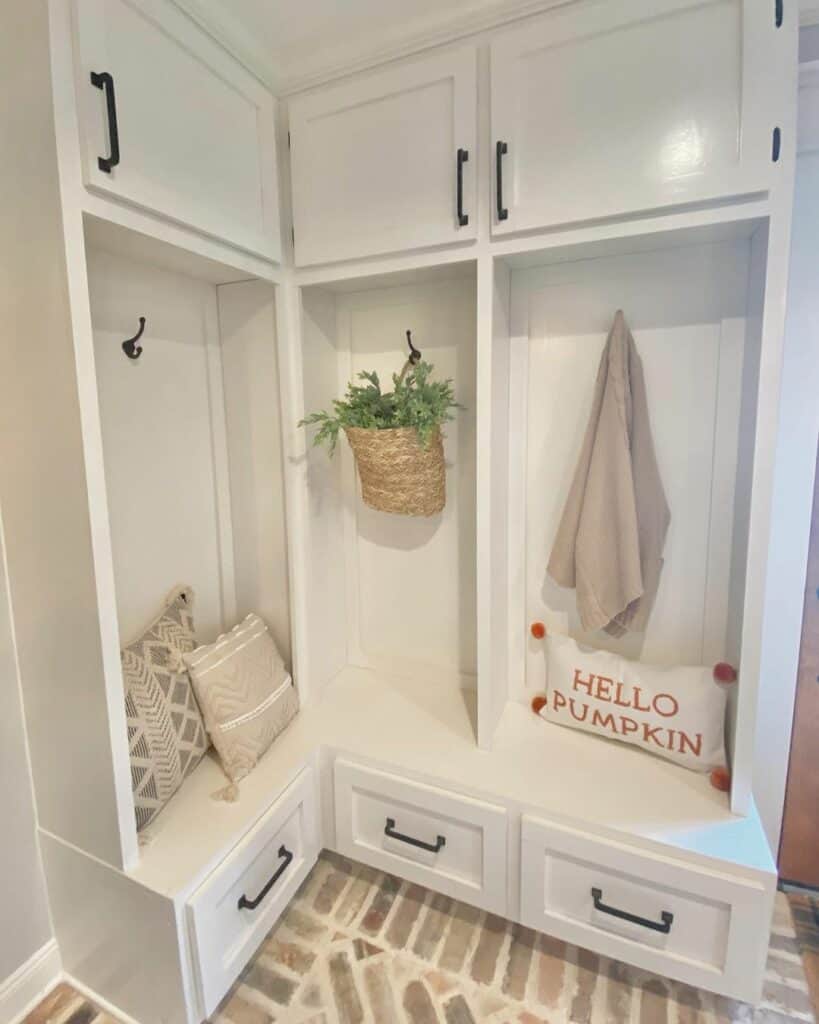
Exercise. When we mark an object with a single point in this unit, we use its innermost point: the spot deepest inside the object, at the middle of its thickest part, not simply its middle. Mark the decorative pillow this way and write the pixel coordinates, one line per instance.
(245, 692)
(678, 713)
(166, 734)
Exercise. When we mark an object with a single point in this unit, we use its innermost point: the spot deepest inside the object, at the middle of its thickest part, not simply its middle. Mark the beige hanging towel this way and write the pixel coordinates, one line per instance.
(611, 536)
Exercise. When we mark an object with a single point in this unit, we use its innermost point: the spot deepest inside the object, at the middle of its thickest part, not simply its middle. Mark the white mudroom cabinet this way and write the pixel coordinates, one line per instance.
(387, 162)
(171, 123)
(612, 110)
(497, 193)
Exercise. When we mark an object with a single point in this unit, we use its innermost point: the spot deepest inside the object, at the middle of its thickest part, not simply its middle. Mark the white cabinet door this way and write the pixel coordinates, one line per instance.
(376, 163)
(195, 130)
(609, 108)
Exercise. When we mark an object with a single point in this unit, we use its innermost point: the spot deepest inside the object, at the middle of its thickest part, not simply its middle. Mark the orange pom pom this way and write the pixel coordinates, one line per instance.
(721, 779)
(538, 630)
(538, 703)
(725, 673)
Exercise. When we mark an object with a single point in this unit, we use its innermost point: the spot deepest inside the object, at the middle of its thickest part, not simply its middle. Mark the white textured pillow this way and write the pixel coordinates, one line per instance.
(245, 692)
(677, 713)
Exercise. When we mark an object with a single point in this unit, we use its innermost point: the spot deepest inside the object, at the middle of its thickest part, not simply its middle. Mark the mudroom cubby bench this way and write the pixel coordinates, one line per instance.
(182, 337)
(512, 846)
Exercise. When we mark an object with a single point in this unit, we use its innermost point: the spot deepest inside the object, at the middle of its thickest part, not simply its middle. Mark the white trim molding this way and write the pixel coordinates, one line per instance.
(102, 1004)
(21, 991)
(423, 34)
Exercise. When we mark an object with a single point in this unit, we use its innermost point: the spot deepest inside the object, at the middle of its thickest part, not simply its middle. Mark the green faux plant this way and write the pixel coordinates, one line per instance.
(415, 401)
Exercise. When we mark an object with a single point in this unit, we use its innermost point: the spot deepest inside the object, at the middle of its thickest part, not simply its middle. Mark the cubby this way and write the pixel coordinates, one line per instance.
(695, 303)
(389, 593)
(190, 468)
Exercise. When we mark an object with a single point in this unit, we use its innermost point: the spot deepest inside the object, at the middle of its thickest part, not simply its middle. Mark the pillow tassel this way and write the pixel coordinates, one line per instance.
(230, 794)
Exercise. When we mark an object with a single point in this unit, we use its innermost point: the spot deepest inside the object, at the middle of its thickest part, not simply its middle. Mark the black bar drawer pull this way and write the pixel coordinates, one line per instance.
(463, 218)
(501, 149)
(389, 830)
(664, 925)
(102, 80)
(286, 857)
(780, 13)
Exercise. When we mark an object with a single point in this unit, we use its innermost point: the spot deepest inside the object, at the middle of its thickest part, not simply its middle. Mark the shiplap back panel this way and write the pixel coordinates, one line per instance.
(686, 308)
(326, 613)
(254, 443)
(411, 581)
(158, 443)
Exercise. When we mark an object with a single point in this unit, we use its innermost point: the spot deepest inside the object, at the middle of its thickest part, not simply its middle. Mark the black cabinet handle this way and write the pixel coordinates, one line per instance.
(102, 80)
(389, 830)
(779, 13)
(286, 857)
(463, 157)
(501, 149)
(664, 925)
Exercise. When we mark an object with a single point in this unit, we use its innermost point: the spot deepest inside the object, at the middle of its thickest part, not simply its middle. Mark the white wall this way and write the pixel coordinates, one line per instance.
(26, 926)
(794, 480)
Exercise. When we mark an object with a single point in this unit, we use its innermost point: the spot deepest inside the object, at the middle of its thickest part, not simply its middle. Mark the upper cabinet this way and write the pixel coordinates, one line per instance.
(607, 109)
(387, 162)
(172, 124)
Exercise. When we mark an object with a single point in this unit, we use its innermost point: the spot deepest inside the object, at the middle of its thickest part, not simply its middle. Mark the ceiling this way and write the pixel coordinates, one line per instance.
(290, 44)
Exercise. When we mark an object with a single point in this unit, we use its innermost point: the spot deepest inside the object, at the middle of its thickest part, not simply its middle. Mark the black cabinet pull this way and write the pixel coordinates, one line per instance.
(780, 13)
(776, 145)
(664, 925)
(501, 149)
(102, 80)
(286, 857)
(463, 157)
(389, 830)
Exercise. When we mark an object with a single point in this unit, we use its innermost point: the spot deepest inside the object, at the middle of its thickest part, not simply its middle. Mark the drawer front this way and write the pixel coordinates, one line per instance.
(231, 912)
(454, 844)
(696, 924)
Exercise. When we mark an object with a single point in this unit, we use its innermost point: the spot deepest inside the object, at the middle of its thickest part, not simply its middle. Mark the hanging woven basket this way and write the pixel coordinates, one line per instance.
(398, 472)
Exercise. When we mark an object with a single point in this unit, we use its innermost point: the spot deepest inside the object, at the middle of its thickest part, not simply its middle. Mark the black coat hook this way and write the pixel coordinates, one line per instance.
(415, 355)
(130, 347)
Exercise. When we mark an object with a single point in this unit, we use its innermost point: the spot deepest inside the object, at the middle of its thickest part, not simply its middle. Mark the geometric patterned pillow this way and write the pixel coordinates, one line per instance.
(245, 692)
(166, 734)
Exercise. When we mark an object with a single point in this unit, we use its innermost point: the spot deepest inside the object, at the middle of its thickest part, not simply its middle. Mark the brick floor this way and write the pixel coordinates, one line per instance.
(805, 912)
(356, 946)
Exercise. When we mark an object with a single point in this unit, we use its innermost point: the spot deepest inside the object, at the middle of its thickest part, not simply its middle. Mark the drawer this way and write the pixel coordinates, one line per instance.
(698, 924)
(454, 844)
(234, 908)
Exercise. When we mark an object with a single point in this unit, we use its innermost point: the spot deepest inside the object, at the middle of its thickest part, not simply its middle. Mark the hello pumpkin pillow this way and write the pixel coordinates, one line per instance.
(677, 713)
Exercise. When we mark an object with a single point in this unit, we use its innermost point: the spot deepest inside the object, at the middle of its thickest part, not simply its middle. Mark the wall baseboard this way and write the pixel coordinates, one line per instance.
(21, 991)
(94, 997)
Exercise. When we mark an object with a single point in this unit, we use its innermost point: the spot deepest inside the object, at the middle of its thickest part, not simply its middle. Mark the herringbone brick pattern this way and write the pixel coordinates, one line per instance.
(357, 946)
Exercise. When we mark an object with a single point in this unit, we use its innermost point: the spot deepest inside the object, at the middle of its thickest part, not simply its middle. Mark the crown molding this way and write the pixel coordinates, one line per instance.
(226, 29)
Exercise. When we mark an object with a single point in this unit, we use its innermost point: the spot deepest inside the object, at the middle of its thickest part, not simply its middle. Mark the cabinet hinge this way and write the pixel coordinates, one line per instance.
(779, 8)
(776, 147)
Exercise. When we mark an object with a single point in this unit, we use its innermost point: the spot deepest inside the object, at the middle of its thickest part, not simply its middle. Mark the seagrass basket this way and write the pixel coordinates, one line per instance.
(398, 474)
